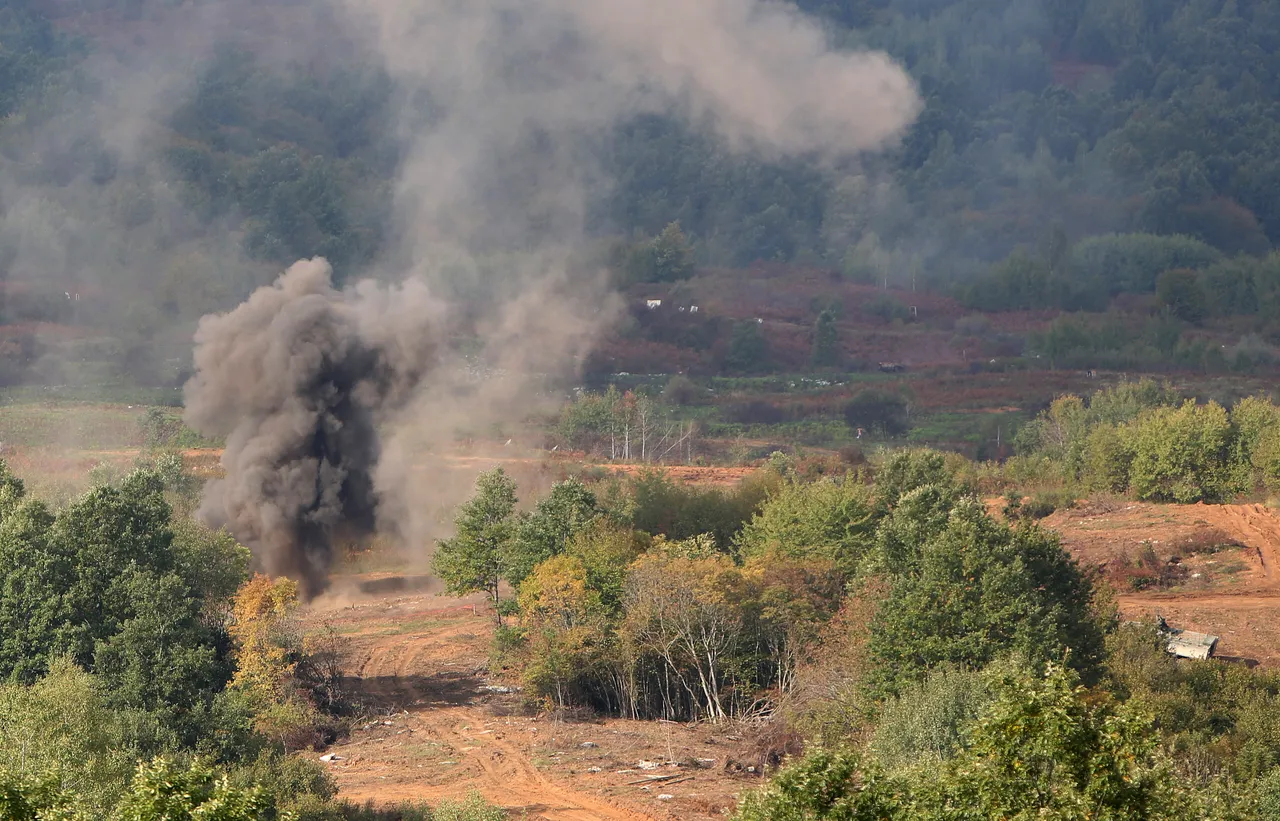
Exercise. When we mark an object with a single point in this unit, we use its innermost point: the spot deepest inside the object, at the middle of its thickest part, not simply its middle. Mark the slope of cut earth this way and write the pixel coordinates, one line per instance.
(438, 728)
(1228, 555)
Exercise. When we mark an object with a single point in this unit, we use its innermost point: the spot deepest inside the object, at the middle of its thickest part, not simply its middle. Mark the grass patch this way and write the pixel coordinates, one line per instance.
(94, 426)
(1231, 568)
(72, 425)
(93, 394)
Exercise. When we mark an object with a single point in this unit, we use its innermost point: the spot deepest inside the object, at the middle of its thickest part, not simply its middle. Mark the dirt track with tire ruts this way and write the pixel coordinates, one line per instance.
(438, 727)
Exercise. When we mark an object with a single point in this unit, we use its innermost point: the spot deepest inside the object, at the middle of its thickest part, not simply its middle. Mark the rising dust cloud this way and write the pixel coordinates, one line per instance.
(498, 168)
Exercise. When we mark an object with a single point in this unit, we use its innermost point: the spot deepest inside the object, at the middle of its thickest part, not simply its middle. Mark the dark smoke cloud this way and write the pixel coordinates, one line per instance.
(297, 378)
(504, 106)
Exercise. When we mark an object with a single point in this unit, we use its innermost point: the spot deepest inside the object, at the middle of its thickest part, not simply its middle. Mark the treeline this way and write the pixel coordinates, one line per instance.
(937, 663)
(629, 612)
(1141, 438)
(1189, 280)
(1096, 118)
(146, 675)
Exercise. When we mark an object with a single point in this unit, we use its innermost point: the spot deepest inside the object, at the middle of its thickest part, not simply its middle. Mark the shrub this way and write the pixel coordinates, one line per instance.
(925, 724)
(887, 308)
(886, 413)
(1045, 502)
(829, 519)
(1186, 454)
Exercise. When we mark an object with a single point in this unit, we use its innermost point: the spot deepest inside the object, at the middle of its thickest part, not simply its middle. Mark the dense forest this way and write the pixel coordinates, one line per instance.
(1088, 184)
(1067, 153)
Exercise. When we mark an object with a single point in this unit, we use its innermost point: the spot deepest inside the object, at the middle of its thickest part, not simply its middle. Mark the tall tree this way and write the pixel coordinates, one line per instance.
(672, 255)
(546, 532)
(975, 590)
(472, 561)
(826, 341)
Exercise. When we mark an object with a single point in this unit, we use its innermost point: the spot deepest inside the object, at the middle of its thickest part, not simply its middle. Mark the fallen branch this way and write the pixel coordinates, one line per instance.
(656, 778)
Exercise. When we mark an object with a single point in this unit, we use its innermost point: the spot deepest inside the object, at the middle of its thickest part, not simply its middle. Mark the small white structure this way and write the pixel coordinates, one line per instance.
(653, 303)
(1186, 644)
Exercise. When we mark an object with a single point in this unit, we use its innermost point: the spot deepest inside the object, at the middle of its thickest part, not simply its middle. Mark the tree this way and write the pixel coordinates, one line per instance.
(662, 505)
(672, 255)
(606, 550)
(871, 409)
(794, 598)
(101, 583)
(565, 626)
(827, 519)
(12, 491)
(472, 561)
(1186, 454)
(1179, 291)
(668, 257)
(546, 532)
(1108, 459)
(911, 468)
(688, 613)
(748, 348)
(60, 728)
(826, 341)
(260, 628)
(975, 590)
(213, 563)
(1257, 423)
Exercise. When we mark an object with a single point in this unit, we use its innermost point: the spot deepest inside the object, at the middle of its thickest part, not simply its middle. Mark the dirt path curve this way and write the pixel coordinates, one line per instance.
(436, 732)
(1264, 532)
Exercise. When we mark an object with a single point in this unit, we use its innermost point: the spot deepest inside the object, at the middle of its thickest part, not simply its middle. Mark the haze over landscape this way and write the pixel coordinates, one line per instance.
(815, 409)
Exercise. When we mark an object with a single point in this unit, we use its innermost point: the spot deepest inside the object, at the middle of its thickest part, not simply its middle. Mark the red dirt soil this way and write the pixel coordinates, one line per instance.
(1234, 593)
(439, 729)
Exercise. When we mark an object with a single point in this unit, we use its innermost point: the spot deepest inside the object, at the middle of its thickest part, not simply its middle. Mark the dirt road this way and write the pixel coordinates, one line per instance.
(1233, 593)
(437, 728)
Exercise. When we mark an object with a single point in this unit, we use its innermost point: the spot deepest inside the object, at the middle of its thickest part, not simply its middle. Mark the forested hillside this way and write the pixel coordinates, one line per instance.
(1086, 185)
(1044, 122)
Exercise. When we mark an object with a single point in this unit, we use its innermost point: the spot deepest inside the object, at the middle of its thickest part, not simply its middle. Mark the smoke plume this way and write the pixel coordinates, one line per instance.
(296, 379)
(506, 105)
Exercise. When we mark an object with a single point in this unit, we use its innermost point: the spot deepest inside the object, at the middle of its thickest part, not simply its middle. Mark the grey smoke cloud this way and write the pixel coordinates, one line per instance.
(506, 105)
(519, 90)
(297, 378)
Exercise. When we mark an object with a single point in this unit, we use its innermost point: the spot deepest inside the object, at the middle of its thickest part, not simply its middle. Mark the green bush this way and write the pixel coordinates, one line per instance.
(927, 722)
(968, 589)
(1186, 454)
(832, 519)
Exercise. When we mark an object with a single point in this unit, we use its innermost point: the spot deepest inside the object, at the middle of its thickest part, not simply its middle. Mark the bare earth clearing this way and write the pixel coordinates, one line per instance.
(440, 728)
(1232, 593)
